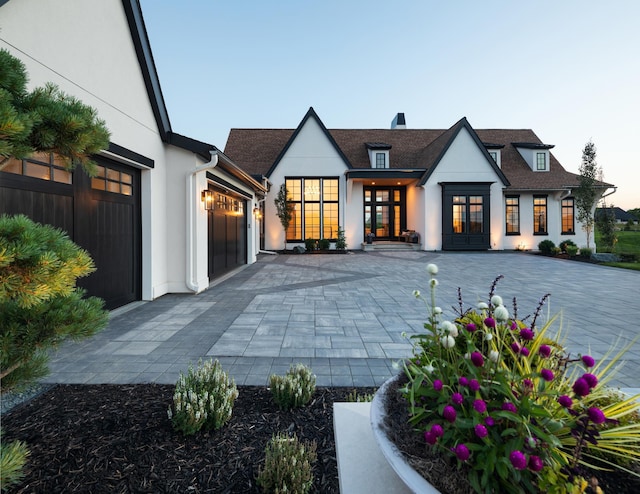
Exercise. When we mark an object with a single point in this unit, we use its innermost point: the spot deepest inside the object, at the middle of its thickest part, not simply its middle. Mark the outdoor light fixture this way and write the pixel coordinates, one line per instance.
(256, 213)
(207, 199)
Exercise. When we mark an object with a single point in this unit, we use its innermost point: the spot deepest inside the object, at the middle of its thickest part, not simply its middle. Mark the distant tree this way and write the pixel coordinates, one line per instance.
(284, 210)
(586, 194)
(606, 224)
(45, 119)
(635, 212)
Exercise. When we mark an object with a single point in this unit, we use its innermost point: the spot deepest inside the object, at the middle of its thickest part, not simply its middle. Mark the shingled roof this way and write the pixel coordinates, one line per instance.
(257, 150)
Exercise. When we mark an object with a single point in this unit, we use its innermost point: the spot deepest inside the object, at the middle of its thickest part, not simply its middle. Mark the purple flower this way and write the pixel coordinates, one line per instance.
(449, 413)
(526, 334)
(437, 385)
(489, 421)
(591, 379)
(527, 383)
(581, 387)
(457, 398)
(471, 327)
(474, 385)
(565, 401)
(477, 359)
(547, 375)
(588, 360)
(462, 452)
(515, 346)
(490, 322)
(596, 415)
(479, 406)
(524, 351)
(544, 350)
(518, 460)
(436, 430)
(463, 381)
(430, 438)
(480, 430)
(514, 326)
(535, 463)
(509, 407)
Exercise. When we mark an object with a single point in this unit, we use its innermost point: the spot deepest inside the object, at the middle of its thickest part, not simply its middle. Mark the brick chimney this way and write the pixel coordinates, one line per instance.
(399, 122)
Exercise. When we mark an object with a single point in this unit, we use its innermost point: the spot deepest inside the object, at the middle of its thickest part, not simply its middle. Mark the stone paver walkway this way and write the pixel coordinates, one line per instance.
(345, 316)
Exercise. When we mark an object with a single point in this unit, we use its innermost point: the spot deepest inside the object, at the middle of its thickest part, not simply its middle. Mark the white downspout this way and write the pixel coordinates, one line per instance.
(192, 204)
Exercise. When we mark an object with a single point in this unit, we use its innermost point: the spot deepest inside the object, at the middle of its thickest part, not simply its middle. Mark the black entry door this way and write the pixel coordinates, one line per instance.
(384, 212)
(465, 217)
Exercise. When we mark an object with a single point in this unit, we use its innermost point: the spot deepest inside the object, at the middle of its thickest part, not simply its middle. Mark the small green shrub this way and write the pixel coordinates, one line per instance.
(13, 456)
(565, 244)
(355, 397)
(311, 244)
(586, 252)
(341, 242)
(547, 247)
(288, 465)
(324, 244)
(203, 398)
(572, 250)
(293, 389)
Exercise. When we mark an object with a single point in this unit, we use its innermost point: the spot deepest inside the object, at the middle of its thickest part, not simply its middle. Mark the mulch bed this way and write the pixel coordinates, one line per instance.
(118, 439)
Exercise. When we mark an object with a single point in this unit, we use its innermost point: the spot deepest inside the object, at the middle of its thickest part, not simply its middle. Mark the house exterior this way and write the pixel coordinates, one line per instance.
(144, 218)
(620, 215)
(457, 189)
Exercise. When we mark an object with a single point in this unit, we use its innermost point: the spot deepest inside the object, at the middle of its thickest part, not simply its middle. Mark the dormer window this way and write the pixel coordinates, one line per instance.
(378, 154)
(541, 162)
(494, 151)
(535, 154)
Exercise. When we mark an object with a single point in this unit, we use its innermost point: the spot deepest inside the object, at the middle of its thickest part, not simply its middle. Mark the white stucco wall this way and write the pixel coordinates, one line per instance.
(310, 155)
(463, 162)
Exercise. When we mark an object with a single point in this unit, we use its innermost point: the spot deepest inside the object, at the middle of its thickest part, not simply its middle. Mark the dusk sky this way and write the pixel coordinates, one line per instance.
(569, 70)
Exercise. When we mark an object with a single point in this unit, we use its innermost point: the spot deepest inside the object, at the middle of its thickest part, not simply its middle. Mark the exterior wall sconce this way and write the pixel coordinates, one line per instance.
(256, 213)
(207, 199)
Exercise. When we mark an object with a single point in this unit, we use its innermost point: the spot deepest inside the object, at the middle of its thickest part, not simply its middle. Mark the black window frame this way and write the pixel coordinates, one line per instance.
(516, 208)
(563, 208)
(541, 167)
(381, 159)
(545, 208)
(321, 211)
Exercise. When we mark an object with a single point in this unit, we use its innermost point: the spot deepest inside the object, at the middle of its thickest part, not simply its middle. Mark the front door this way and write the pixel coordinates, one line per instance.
(465, 216)
(384, 212)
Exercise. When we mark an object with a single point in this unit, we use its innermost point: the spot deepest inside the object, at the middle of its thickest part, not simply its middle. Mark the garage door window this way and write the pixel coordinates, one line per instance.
(45, 166)
(112, 180)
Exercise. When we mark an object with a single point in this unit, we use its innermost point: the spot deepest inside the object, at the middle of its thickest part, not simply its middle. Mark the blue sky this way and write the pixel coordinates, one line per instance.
(569, 70)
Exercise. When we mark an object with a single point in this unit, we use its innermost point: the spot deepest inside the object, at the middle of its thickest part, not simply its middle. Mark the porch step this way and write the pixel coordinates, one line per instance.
(389, 245)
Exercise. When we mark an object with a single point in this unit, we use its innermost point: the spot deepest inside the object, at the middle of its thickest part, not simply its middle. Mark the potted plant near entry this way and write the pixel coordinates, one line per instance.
(369, 237)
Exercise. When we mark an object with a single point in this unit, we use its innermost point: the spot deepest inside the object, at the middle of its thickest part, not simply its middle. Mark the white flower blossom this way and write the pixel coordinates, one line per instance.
(432, 269)
(488, 337)
(428, 368)
(496, 300)
(482, 306)
(433, 282)
(501, 313)
(449, 328)
(416, 293)
(448, 341)
(494, 355)
(437, 310)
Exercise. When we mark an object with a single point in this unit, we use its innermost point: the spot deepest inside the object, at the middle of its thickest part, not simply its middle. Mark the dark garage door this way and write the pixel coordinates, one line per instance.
(227, 234)
(100, 214)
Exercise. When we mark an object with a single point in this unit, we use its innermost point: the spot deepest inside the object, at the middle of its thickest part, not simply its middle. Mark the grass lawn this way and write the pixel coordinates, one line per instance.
(628, 244)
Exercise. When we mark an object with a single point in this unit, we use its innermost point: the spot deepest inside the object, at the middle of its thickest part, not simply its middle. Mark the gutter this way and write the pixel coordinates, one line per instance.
(192, 284)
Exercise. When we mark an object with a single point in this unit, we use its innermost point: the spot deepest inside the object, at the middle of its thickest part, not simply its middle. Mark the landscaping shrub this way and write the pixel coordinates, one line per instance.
(565, 244)
(311, 244)
(288, 466)
(13, 456)
(572, 250)
(341, 242)
(40, 306)
(293, 389)
(324, 244)
(586, 252)
(203, 398)
(547, 247)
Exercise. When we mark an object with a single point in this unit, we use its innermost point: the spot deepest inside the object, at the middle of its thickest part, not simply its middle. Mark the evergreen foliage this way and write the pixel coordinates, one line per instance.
(586, 194)
(606, 224)
(13, 456)
(45, 119)
(40, 307)
(284, 210)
